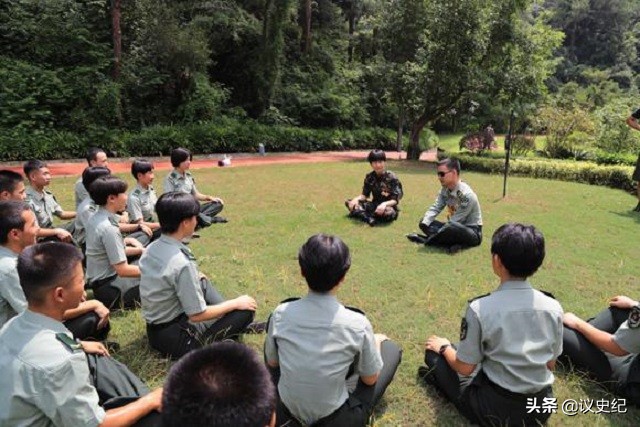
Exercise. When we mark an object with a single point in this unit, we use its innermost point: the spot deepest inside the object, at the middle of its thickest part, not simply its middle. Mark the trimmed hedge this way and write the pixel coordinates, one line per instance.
(584, 172)
(223, 136)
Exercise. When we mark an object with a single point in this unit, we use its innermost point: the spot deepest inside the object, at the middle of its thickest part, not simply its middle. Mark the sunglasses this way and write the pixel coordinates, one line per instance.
(442, 174)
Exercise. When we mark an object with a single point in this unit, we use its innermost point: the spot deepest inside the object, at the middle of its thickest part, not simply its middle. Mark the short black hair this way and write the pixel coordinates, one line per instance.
(45, 265)
(9, 179)
(377, 156)
(324, 260)
(106, 186)
(140, 166)
(11, 218)
(92, 154)
(520, 248)
(179, 155)
(91, 173)
(173, 208)
(451, 164)
(224, 384)
(33, 165)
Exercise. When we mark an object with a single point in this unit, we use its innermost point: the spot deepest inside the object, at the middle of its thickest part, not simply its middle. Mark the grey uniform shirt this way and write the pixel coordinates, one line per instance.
(141, 204)
(42, 381)
(315, 340)
(12, 300)
(169, 282)
(461, 203)
(513, 332)
(44, 206)
(628, 338)
(175, 181)
(105, 245)
(84, 212)
(80, 192)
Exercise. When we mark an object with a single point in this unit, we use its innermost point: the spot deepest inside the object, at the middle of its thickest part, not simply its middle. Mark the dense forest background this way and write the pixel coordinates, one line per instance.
(90, 71)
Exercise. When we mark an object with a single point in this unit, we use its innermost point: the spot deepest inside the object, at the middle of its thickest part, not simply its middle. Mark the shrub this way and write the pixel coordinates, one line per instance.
(584, 172)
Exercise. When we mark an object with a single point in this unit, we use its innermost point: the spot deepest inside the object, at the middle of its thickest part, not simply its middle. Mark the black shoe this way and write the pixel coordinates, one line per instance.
(426, 374)
(454, 249)
(256, 328)
(112, 346)
(371, 221)
(219, 220)
(417, 238)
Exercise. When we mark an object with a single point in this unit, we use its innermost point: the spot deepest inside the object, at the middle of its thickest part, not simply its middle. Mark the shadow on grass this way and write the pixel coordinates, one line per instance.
(628, 214)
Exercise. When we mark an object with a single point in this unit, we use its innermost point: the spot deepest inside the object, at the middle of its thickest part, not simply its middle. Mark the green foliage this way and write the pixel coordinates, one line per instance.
(569, 131)
(613, 134)
(204, 100)
(607, 158)
(523, 144)
(584, 172)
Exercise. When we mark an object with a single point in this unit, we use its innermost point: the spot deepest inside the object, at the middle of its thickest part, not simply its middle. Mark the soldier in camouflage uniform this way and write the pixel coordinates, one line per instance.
(386, 189)
(180, 179)
(464, 228)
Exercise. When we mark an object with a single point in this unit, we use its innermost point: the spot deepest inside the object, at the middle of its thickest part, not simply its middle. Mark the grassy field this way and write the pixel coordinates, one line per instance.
(407, 291)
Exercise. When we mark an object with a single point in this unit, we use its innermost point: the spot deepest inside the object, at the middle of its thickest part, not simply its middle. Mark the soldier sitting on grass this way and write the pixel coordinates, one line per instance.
(386, 189)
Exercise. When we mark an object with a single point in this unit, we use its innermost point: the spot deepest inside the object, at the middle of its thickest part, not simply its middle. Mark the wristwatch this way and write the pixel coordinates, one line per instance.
(443, 348)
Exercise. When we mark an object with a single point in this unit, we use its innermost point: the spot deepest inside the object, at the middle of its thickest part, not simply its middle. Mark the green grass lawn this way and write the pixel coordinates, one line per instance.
(407, 291)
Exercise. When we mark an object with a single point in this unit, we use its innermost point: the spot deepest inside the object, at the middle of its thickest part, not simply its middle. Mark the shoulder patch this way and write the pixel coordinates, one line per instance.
(357, 310)
(634, 317)
(478, 297)
(69, 342)
(289, 300)
(464, 327)
(549, 294)
(173, 174)
(113, 221)
(188, 254)
(136, 191)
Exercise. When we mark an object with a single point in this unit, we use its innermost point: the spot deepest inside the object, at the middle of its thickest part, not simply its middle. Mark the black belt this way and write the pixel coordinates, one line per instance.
(161, 326)
(512, 394)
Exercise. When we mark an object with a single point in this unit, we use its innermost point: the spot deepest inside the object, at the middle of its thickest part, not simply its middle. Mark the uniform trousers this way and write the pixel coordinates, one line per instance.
(117, 386)
(85, 327)
(207, 212)
(356, 410)
(619, 374)
(179, 336)
(366, 210)
(482, 401)
(117, 292)
(451, 233)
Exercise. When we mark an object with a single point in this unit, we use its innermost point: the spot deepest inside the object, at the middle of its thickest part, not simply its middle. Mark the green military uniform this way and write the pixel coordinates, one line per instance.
(510, 335)
(105, 248)
(80, 192)
(463, 212)
(141, 204)
(12, 299)
(46, 379)
(44, 205)
(175, 181)
(171, 291)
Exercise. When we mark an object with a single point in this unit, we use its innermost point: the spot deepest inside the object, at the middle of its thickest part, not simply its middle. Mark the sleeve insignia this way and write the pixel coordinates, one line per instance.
(464, 326)
(69, 342)
(634, 317)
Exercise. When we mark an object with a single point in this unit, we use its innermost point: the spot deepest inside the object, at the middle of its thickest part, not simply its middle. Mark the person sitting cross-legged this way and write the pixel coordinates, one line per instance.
(224, 384)
(182, 309)
(509, 341)
(317, 347)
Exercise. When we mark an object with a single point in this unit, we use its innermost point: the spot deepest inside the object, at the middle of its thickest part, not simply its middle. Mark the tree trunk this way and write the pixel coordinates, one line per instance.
(400, 126)
(413, 152)
(117, 38)
(305, 46)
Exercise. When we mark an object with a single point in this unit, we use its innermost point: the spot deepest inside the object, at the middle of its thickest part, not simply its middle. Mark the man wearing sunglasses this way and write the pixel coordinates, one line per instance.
(464, 226)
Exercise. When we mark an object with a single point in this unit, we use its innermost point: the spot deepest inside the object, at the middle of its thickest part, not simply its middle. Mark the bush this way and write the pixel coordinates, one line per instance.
(584, 172)
(523, 144)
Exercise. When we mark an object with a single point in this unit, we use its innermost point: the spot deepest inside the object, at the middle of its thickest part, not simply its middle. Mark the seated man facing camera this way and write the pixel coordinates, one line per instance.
(182, 309)
(221, 385)
(317, 347)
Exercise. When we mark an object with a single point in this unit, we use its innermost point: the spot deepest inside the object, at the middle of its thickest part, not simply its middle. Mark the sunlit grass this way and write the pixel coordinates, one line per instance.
(408, 292)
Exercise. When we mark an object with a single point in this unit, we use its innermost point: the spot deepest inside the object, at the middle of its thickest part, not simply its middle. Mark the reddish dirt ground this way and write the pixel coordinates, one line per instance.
(76, 166)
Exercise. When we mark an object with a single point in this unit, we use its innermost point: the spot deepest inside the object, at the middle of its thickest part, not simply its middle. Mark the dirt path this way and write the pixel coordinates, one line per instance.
(118, 165)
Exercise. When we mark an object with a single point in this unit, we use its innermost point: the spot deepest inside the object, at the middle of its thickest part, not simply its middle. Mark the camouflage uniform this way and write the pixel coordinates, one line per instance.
(382, 188)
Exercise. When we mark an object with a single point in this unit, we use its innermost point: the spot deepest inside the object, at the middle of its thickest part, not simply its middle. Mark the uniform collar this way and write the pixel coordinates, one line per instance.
(317, 296)
(35, 193)
(170, 240)
(514, 284)
(6, 252)
(44, 321)
(108, 214)
(142, 189)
